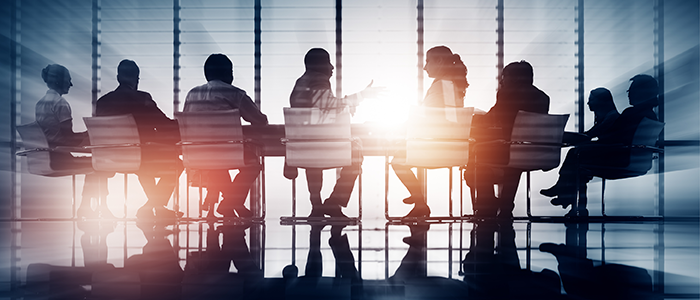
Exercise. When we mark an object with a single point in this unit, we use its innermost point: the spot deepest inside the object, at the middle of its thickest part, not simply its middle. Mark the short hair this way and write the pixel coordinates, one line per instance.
(218, 66)
(518, 72)
(317, 57)
(127, 70)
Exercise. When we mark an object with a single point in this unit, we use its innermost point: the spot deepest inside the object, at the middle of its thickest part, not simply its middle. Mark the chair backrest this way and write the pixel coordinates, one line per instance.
(646, 134)
(211, 140)
(116, 143)
(541, 137)
(316, 124)
(37, 147)
(316, 138)
(438, 137)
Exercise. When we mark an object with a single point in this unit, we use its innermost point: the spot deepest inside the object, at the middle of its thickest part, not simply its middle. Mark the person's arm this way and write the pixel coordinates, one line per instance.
(250, 112)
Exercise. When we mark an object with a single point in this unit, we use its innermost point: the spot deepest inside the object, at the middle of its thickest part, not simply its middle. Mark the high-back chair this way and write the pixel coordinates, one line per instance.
(213, 140)
(38, 155)
(317, 139)
(436, 138)
(115, 145)
(535, 144)
(641, 151)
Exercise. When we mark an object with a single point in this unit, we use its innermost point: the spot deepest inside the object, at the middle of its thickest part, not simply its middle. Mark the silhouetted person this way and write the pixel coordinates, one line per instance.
(447, 90)
(54, 116)
(516, 92)
(344, 259)
(492, 267)
(414, 264)
(643, 96)
(154, 127)
(582, 279)
(218, 94)
(313, 89)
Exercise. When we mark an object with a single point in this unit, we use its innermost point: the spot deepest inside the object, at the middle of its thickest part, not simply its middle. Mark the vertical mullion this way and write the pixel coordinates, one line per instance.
(420, 46)
(581, 89)
(339, 48)
(176, 56)
(659, 70)
(96, 50)
(499, 39)
(258, 53)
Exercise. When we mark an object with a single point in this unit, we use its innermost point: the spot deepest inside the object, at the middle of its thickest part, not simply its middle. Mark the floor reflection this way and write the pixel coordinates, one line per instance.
(370, 260)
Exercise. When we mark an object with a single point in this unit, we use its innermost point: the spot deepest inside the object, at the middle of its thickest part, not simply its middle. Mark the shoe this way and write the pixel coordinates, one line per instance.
(210, 202)
(316, 212)
(563, 201)
(412, 200)
(574, 213)
(243, 212)
(334, 211)
(553, 191)
(419, 211)
(225, 210)
(164, 213)
(105, 213)
(554, 249)
(86, 213)
(145, 213)
(211, 216)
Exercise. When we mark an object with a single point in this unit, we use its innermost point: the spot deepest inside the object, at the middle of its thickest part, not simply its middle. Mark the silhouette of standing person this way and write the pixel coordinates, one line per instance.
(313, 89)
(643, 96)
(219, 94)
(54, 115)
(447, 90)
(516, 92)
(153, 127)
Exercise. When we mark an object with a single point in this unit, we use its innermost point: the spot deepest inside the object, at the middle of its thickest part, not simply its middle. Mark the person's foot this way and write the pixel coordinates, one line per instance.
(412, 200)
(316, 212)
(164, 213)
(85, 212)
(334, 211)
(210, 202)
(225, 210)
(419, 211)
(554, 249)
(577, 213)
(243, 212)
(211, 216)
(564, 201)
(105, 213)
(145, 213)
(553, 191)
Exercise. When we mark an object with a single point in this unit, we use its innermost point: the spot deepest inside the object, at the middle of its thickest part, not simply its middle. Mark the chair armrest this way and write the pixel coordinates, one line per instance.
(206, 143)
(620, 146)
(126, 145)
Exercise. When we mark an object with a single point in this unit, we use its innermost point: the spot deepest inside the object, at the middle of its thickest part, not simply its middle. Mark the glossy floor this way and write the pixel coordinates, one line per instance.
(123, 259)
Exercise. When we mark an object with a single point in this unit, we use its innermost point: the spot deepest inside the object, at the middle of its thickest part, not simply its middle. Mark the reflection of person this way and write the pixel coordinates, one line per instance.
(153, 127)
(492, 268)
(414, 263)
(582, 280)
(313, 89)
(643, 96)
(54, 116)
(447, 90)
(516, 92)
(219, 94)
(158, 265)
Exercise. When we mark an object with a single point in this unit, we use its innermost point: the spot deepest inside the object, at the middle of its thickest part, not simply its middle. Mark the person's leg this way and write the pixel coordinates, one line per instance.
(216, 182)
(236, 193)
(344, 185)
(409, 180)
(506, 200)
(148, 183)
(486, 204)
(314, 182)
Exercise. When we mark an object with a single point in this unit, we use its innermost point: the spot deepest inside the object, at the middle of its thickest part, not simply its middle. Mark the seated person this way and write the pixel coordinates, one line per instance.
(153, 127)
(516, 92)
(447, 90)
(600, 102)
(219, 94)
(313, 89)
(53, 114)
(643, 96)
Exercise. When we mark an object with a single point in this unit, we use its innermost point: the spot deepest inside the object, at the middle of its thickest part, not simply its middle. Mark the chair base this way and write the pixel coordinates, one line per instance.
(319, 220)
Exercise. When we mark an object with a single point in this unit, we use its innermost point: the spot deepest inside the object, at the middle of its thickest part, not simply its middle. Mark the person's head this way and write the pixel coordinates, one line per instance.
(128, 73)
(218, 67)
(601, 100)
(517, 73)
(318, 60)
(441, 63)
(643, 89)
(57, 78)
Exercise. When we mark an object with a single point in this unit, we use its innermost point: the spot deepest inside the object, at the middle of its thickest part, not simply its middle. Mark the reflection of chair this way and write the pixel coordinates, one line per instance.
(213, 140)
(641, 154)
(38, 154)
(535, 144)
(436, 138)
(317, 139)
